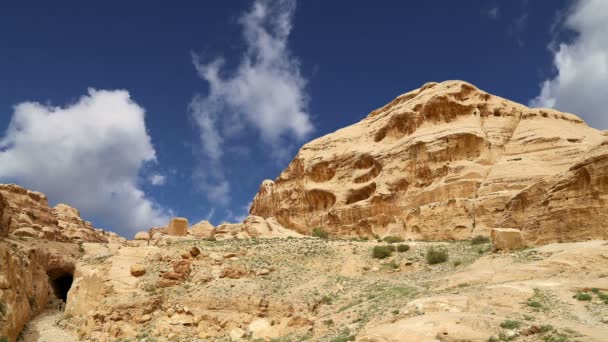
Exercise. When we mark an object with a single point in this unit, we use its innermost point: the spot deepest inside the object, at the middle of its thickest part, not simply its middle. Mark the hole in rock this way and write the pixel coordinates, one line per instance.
(61, 283)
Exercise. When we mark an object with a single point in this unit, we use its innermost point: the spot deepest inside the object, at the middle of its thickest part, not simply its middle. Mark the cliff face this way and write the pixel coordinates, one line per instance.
(27, 213)
(447, 161)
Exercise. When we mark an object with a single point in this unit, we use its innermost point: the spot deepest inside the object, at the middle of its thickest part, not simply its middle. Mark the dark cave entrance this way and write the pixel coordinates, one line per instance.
(61, 281)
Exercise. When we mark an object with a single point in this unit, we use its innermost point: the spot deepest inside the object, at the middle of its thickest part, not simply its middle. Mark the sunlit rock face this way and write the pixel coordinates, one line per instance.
(447, 161)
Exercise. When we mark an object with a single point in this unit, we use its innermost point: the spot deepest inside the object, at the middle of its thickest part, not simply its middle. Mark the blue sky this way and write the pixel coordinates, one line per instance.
(137, 111)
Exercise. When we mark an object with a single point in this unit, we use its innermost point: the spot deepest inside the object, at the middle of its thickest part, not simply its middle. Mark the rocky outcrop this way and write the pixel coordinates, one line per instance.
(4, 217)
(506, 239)
(27, 209)
(446, 161)
(253, 227)
(27, 272)
(178, 226)
(27, 213)
(574, 206)
(203, 229)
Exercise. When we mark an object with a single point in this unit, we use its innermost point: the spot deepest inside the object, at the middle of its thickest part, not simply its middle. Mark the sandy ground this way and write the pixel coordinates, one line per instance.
(43, 329)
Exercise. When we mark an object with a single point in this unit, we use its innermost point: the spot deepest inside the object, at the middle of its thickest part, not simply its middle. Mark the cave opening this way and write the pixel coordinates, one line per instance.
(61, 283)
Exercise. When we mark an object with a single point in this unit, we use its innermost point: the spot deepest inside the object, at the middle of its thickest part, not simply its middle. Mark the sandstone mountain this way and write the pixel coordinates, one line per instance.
(447, 162)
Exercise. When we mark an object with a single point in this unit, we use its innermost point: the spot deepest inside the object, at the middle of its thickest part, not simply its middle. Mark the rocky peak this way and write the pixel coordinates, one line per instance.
(439, 162)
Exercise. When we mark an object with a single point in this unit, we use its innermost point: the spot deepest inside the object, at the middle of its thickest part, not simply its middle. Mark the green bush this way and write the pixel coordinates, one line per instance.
(403, 248)
(211, 238)
(2, 307)
(393, 239)
(382, 252)
(436, 256)
(583, 296)
(509, 324)
(320, 233)
(479, 240)
(4, 339)
(534, 304)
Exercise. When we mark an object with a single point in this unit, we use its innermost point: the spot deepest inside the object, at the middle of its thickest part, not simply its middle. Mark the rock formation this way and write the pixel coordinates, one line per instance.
(27, 213)
(203, 229)
(447, 161)
(178, 227)
(253, 227)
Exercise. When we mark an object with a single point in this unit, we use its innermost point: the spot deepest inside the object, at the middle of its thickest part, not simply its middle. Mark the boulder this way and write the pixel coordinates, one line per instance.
(138, 270)
(203, 229)
(142, 236)
(178, 226)
(507, 239)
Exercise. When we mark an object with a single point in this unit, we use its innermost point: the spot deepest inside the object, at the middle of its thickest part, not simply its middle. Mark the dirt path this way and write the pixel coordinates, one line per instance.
(43, 329)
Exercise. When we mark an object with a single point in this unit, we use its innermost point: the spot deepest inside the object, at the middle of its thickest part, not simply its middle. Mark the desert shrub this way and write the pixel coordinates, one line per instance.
(393, 264)
(2, 307)
(403, 248)
(211, 238)
(345, 336)
(436, 256)
(326, 300)
(4, 339)
(320, 233)
(382, 252)
(585, 297)
(534, 304)
(393, 239)
(480, 239)
(509, 324)
(457, 263)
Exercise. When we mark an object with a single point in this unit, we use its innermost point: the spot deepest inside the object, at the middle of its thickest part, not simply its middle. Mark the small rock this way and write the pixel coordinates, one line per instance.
(229, 255)
(195, 251)
(145, 318)
(375, 269)
(605, 319)
(237, 334)
(138, 270)
(263, 271)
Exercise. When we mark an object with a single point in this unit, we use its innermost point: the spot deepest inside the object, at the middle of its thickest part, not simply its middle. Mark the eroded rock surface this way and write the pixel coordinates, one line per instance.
(447, 161)
(27, 213)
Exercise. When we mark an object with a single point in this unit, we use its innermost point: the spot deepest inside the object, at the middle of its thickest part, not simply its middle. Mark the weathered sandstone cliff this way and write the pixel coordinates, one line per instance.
(27, 213)
(447, 161)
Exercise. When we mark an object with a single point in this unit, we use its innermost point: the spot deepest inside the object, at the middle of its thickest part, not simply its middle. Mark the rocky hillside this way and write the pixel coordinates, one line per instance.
(308, 289)
(447, 162)
(39, 247)
(27, 213)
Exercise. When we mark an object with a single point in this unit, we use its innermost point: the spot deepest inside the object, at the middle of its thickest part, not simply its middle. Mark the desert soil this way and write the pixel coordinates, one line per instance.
(44, 328)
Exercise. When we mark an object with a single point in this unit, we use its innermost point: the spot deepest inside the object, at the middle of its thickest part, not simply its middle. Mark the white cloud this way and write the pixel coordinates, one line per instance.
(493, 13)
(266, 92)
(582, 66)
(157, 179)
(87, 154)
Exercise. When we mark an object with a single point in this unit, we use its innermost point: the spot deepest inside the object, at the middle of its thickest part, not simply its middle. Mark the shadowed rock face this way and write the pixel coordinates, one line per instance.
(447, 161)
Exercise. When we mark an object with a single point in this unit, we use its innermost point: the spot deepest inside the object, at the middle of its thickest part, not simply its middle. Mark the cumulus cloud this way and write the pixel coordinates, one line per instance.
(265, 92)
(581, 79)
(88, 154)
